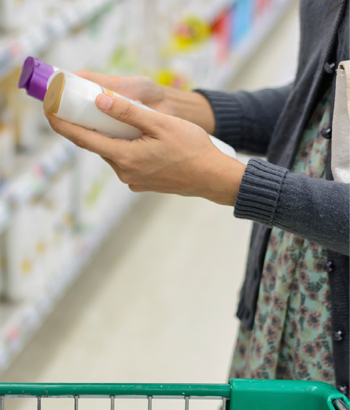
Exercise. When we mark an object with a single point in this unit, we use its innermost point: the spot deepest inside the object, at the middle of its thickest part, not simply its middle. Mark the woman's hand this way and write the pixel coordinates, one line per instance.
(172, 155)
(190, 106)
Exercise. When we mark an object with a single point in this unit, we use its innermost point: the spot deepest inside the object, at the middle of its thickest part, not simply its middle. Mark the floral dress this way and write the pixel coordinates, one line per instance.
(292, 333)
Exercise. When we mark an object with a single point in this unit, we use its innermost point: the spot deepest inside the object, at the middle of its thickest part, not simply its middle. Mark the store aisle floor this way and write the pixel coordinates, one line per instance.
(155, 306)
(158, 303)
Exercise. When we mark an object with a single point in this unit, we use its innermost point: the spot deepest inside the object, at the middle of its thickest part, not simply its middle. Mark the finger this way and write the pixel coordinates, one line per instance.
(113, 165)
(86, 139)
(151, 188)
(146, 120)
(140, 188)
(159, 190)
(119, 84)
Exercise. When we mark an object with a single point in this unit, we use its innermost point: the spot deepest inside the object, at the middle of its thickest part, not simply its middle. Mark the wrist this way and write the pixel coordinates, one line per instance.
(222, 178)
(190, 106)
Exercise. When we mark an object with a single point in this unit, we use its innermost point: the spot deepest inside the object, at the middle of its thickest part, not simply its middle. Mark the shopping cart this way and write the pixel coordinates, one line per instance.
(239, 394)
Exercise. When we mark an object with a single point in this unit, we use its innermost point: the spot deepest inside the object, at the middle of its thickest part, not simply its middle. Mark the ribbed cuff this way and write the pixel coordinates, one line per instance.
(259, 191)
(228, 116)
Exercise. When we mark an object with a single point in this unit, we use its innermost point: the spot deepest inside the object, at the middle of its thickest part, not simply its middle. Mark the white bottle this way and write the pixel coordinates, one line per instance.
(72, 99)
(21, 269)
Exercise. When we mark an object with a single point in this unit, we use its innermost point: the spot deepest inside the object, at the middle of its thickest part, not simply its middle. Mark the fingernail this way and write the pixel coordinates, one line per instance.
(104, 102)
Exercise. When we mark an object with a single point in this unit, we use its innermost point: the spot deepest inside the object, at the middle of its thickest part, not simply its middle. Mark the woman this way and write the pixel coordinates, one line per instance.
(294, 305)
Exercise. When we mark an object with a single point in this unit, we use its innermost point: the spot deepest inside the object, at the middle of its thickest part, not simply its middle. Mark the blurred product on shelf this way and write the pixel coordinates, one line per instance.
(99, 193)
(6, 153)
(2, 267)
(39, 241)
(171, 78)
(205, 44)
(19, 114)
(15, 14)
(121, 22)
(191, 31)
(27, 123)
(7, 141)
(55, 22)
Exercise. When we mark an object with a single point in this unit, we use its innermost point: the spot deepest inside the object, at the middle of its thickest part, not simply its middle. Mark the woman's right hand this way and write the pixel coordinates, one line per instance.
(139, 88)
(171, 156)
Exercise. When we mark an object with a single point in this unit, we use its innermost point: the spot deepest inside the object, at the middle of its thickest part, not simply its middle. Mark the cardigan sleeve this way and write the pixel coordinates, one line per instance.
(246, 120)
(315, 209)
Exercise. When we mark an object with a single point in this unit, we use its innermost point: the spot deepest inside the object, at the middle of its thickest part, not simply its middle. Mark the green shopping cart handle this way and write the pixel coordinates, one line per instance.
(239, 394)
(114, 389)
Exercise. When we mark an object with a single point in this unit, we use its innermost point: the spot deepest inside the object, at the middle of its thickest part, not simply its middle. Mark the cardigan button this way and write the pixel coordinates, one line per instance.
(338, 336)
(326, 133)
(343, 389)
(329, 68)
(329, 267)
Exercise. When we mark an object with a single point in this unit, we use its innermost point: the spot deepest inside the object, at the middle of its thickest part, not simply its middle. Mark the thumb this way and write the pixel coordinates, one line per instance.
(129, 112)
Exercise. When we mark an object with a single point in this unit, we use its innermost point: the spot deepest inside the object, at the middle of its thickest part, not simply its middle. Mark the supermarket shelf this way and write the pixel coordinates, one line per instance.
(38, 37)
(36, 176)
(242, 54)
(18, 323)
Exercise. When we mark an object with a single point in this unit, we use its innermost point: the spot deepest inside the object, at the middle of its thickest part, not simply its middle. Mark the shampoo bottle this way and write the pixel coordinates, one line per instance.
(72, 99)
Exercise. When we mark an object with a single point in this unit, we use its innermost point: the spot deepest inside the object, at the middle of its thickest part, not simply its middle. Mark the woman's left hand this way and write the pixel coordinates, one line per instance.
(172, 155)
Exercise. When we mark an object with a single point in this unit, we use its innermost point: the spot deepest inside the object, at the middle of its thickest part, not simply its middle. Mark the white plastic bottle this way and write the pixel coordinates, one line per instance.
(72, 99)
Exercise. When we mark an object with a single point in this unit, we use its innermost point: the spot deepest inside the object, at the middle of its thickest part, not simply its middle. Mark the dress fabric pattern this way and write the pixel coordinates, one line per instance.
(292, 333)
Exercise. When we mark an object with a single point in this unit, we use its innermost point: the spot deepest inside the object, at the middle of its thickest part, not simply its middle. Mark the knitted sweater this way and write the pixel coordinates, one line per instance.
(270, 122)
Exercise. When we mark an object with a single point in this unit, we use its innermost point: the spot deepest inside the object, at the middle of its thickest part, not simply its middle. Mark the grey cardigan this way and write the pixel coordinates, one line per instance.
(270, 122)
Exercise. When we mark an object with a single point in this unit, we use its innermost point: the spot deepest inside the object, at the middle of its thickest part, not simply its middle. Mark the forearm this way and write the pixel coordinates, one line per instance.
(313, 208)
(246, 120)
(190, 106)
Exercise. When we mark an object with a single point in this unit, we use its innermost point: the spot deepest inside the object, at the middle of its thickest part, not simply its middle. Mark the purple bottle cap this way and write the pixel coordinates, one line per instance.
(34, 77)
